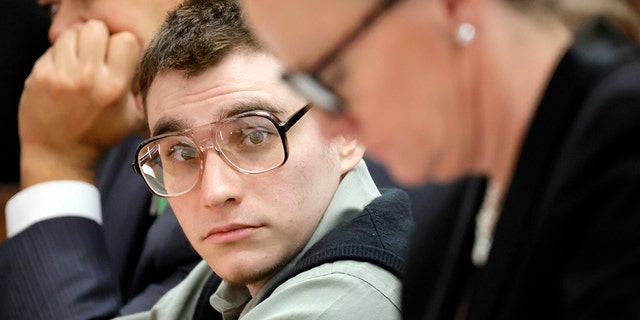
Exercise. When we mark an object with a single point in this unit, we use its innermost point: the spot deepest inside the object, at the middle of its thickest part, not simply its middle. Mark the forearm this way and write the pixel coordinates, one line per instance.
(58, 269)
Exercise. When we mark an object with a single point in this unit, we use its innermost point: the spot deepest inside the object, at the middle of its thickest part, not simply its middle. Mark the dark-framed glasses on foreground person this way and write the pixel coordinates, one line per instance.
(308, 83)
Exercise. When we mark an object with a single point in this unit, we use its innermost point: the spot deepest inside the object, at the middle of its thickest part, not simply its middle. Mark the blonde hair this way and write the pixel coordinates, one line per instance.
(574, 13)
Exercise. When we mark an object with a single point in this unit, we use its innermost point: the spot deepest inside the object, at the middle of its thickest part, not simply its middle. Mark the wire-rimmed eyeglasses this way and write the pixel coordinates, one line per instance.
(253, 142)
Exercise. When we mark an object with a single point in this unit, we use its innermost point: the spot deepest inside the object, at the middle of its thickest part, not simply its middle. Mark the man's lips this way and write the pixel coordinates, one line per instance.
(230, 233)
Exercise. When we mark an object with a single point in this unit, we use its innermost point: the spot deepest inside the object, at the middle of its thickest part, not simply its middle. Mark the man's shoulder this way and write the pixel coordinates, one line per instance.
(352, 275)
(179, 302)
(339, 290)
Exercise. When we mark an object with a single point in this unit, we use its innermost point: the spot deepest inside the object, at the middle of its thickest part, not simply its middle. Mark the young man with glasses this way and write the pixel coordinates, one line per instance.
(291, 223)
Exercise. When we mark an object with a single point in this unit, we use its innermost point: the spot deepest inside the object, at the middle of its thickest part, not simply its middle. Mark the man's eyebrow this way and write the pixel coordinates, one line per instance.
(248, 106)
(166, 125)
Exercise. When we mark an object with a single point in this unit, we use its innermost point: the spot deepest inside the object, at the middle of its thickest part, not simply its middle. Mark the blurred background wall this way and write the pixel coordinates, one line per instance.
(23, 38)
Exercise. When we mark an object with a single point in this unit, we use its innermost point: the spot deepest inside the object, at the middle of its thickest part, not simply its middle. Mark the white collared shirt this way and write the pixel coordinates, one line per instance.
(54, 199)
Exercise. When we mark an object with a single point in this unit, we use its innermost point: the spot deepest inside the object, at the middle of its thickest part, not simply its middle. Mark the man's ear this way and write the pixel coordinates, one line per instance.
(350, 152)
(139, 103)
(144, 128)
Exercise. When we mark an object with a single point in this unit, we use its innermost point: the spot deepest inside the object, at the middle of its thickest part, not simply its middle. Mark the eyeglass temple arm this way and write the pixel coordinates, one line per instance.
(135, 168)
(368, 20)
(294, 118)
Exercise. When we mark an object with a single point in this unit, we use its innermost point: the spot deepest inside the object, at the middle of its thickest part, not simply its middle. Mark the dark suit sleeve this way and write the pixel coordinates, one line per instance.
(60, 269)
(166, 259)
(57, 269)
(153, 292)
(74, 268)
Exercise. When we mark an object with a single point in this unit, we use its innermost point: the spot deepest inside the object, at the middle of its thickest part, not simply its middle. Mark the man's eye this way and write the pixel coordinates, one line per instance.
(256, 137)
(183, 153)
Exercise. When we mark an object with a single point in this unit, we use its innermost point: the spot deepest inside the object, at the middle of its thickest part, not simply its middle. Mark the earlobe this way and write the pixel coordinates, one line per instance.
(458, 8)
(463, 11)
(464, 16)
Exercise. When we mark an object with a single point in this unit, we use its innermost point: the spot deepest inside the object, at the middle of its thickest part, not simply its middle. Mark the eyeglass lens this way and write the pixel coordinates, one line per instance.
(251, 144)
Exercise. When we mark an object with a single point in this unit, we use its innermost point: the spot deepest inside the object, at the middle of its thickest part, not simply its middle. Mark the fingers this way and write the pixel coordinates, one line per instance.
(64, 50)
(41, 67)
(92, 41)
(86, 44)
(80, 88)
(78, 55)
(89, 56)
(123, 54)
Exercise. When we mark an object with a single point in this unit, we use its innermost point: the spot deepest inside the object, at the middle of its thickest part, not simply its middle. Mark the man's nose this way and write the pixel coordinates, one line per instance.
(220, 183)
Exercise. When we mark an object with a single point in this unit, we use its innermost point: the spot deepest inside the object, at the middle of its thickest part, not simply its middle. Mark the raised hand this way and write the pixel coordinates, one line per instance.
(77, 103)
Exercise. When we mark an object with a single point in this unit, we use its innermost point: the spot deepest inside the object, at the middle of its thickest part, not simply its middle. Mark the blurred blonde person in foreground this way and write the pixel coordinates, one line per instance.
(528, 109)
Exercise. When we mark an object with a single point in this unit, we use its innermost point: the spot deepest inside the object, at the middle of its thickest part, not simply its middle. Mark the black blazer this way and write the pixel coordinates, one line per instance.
(73, 268)
(567, 245)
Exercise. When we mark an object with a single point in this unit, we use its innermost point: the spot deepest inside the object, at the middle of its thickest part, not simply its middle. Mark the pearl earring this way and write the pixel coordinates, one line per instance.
(465, 34)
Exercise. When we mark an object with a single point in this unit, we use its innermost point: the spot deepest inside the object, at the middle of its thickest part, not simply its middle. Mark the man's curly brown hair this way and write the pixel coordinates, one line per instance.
(195, 36)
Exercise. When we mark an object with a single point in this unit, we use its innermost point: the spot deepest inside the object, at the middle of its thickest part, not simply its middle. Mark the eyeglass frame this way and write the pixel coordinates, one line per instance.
(309, 84)
(282, 127)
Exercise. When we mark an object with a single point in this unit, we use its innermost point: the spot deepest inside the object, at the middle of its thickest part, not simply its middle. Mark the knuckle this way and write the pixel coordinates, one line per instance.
(125, 37)
(74, 83)
(109, 87)
(116, 90)
(38, 77)
(125, 40)
(95, 29)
